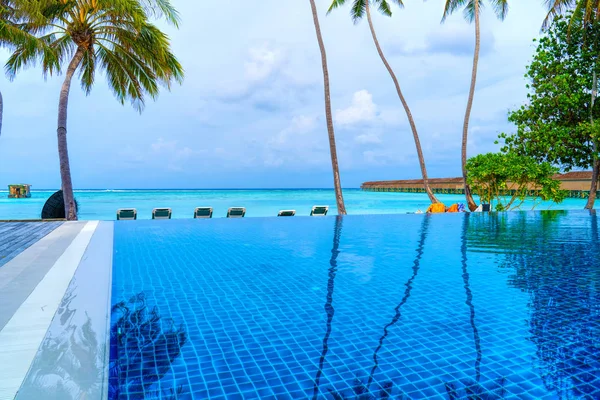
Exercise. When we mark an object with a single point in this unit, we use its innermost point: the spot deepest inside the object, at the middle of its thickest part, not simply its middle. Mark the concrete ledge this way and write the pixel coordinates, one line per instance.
(80, 332)
(24, 332)
(33, 220)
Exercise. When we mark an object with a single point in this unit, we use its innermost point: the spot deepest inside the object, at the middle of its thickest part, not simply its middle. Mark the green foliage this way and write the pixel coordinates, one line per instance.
(579, 11)
(491, 175)
(11, 32)
(115, 36)
(556, 125)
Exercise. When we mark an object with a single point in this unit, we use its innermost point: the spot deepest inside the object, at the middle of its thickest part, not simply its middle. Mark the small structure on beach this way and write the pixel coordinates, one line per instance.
(20, 191)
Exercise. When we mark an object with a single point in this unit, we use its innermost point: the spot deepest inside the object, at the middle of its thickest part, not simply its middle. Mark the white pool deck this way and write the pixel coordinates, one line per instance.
(36, 287)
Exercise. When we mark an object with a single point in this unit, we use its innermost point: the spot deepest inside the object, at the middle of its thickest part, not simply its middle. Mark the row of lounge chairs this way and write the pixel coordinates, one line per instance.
(207, 212)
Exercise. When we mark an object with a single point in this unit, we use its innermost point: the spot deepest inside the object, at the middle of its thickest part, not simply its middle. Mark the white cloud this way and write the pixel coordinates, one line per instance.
(173, 155)
(362, 109)
(258, 76)
(263, 62)
(297, 145)
(456, 38)
(393, 116)
(368, 138)
(299, 125)
(162, 145)
(302, 123)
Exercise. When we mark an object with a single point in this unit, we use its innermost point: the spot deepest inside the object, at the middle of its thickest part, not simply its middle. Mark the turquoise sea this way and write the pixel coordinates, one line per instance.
(102, 204)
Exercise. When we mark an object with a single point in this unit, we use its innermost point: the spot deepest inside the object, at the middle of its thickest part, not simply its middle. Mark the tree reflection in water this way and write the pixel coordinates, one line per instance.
(69, 365)
(364, 391)
(329, 310)
(472, 389)
(559, 269)
(142, 348)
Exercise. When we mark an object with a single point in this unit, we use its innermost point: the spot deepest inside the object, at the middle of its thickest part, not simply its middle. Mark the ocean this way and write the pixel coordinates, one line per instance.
(103, 204)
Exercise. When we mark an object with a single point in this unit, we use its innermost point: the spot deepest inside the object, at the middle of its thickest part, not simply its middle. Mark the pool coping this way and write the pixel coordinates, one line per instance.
(23, 272)
(82, 319)
(36, 220)
(26, 329)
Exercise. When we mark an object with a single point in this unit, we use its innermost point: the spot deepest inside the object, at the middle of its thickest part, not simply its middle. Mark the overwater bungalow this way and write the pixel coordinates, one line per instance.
(20, 191)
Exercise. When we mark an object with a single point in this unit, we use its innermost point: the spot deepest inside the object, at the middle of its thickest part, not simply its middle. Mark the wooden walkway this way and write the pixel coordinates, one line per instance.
(17, 236)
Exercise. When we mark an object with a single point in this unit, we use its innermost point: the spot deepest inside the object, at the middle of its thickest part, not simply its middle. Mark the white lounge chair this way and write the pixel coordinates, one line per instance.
(203, 212)
(236, 212)
(319, 211)
(286, 213)
(161, 213)
(126, 214)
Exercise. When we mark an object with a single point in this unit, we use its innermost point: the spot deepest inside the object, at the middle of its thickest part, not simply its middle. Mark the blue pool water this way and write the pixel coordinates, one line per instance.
(456, 306)
(103, 204)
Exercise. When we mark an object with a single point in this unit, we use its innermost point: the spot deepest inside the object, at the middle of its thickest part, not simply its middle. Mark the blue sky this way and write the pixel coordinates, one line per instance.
(250, 112)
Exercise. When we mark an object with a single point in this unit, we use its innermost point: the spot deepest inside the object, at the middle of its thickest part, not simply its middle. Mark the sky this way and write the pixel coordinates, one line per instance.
(250, 113)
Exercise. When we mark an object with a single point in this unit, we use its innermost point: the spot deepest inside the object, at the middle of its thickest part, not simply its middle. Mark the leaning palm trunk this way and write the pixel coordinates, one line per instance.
(411, 121)
(63, 152)
(332, 148)
(594, 184)
(468, 195)
(596, 166)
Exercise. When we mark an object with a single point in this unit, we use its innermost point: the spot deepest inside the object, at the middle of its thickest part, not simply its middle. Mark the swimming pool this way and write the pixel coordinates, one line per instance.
(396, 306)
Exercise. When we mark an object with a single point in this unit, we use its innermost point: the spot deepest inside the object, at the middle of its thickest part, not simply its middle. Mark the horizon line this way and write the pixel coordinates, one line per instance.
(306, 188)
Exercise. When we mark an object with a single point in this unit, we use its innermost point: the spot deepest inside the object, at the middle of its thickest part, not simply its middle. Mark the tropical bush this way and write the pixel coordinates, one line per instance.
(507, 179)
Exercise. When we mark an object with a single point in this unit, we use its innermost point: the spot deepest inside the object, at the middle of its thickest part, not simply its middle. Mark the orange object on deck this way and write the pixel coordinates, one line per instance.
(453, 208)
(436, 208)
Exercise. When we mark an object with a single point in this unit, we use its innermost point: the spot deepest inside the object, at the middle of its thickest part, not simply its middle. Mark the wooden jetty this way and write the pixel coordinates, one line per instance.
(576, 183)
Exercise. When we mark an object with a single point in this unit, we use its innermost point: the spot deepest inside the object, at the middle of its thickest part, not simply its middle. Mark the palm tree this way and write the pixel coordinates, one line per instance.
(112, 35)
(584, 11)
(471, 12)
(339, 198)
(358, 11)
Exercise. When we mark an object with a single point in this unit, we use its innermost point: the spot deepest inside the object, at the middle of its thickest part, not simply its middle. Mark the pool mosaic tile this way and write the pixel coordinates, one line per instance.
(361, 307)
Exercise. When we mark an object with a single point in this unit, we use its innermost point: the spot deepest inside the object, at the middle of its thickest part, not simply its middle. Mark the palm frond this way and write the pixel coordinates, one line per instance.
(384, 8)
(555, 8)
(27, 54)
(163, 8)
(358, 10)
(114, 36)
(359, 7)
(399, 3)
(335, 4)
(451, 6)
(88, 71)
(500, 8)
(469, 11)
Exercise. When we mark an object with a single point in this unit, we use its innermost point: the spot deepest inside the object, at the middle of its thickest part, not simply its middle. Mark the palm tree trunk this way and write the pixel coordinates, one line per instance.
(468, 195)
(596, 167)
(339, 198)
(594, 183)
(63, 152)
(411, 121)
